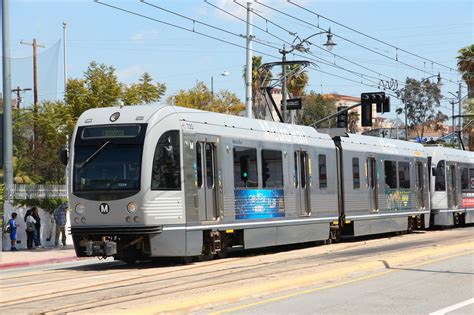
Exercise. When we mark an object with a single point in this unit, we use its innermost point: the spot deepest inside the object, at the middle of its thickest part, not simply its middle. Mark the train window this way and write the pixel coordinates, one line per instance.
(471, 176)
(390, 168)
(296, 170)
(199, 164)
(440, 178)
(166, 171)
(355, 173)
(322, 168)
(209, 165)
(245, 167)
(404, 174)
(464, 178)
(272, 168)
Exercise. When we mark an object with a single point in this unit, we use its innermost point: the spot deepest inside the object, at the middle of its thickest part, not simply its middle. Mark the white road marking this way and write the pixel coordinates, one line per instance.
(453, 307)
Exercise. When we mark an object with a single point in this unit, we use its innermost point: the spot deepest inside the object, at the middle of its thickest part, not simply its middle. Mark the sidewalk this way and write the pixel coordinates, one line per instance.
(39, 256)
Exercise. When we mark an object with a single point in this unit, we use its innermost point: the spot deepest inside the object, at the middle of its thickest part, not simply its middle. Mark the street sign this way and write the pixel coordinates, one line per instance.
(293, 103)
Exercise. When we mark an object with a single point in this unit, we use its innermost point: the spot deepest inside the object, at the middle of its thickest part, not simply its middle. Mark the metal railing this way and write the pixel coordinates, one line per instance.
(23, 191)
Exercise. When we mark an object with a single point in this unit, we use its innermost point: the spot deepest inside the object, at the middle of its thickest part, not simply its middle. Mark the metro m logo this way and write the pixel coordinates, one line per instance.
(104, 208)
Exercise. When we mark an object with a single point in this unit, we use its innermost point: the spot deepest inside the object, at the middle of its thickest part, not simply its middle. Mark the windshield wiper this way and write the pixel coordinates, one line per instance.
(93, 155)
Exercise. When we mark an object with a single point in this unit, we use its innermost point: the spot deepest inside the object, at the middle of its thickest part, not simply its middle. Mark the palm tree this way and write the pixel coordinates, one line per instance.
(296, 83)
(260, 78)
(466, 67)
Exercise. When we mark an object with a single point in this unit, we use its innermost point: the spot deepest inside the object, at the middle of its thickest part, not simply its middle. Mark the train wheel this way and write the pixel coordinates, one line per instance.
(457, 220)
(223, 252)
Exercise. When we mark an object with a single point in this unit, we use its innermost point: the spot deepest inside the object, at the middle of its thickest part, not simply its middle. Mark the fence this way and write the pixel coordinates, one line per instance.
(21, 192)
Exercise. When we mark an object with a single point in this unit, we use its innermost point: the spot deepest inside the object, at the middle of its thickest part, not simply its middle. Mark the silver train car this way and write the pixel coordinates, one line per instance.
(167, 181)
(451, 186)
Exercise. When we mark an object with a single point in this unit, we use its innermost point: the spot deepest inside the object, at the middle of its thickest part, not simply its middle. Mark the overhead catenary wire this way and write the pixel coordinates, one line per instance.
(362, 76)
(323, 49)
(225, 41)
(368, 36)
(346, 39)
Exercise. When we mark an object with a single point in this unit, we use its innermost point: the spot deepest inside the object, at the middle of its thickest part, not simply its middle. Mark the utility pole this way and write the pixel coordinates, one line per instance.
(7, 108)
(35, 105)
(65, 59)
(452, 118)
(18, 91)
(460, 108)
(283, 83)
(248, 68)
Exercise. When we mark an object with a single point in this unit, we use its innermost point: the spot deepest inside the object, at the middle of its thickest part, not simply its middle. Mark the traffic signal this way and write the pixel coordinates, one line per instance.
(367, 99)
(384, 106)
(341, 117)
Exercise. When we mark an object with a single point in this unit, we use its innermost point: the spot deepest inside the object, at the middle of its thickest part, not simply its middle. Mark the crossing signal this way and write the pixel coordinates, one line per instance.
(244, 168)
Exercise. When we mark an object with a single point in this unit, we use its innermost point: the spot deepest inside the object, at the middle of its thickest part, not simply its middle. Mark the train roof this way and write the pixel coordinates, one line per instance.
(439, 153)
(209, 123)
(356, 142)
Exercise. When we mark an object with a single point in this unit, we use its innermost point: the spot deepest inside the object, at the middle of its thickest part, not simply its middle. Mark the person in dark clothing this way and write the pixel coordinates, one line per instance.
(30, 228)
(37, 232)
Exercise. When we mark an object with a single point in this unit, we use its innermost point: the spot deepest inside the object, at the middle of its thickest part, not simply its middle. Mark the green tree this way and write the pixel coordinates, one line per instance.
(99, 88)
(144, 92)
(200, 97)
(422, 101)
(22, 125)
(466, 67)
(316, 107)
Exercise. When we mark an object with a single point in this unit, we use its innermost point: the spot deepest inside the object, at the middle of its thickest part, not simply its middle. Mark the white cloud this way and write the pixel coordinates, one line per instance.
(130, 73)
(142, 36)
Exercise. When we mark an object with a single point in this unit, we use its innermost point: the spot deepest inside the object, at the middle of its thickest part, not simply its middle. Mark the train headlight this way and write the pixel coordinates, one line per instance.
(128, 219)
(79, 209)
(77, 220)
(83, 219)
(132, 208)
(136, 219)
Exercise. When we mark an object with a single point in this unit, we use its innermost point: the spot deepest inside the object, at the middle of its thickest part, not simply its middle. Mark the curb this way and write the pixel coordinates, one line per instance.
(18, 264)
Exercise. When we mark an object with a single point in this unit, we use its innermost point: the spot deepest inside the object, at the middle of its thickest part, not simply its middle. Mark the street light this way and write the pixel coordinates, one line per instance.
(301, 48)
(224, 73)
(439, 83)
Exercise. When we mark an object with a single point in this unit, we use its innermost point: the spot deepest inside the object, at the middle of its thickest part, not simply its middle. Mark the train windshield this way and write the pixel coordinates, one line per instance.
(107, 164)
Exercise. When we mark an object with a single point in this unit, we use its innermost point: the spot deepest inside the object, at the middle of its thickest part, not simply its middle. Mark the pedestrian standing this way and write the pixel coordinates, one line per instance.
(12, 224)
(30, 228)
(37, 233)
(60, 216)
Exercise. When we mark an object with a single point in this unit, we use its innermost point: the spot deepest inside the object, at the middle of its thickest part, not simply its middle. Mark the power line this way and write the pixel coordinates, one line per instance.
(346, 39)
(366, 35)
(180, 27)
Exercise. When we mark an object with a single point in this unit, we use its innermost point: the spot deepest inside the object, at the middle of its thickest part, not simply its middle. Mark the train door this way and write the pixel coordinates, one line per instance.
(452, 187)
(206, 180)
(372, 183)
(420, 185)
(301, 182)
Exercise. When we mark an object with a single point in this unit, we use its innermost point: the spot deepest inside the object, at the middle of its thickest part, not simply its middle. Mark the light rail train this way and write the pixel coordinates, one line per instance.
(167, 181)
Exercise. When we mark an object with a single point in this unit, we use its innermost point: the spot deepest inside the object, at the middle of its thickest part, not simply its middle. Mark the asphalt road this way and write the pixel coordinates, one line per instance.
(445, 286)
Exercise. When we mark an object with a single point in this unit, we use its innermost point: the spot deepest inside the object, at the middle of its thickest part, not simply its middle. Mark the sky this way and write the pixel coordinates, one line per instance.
(178, 57)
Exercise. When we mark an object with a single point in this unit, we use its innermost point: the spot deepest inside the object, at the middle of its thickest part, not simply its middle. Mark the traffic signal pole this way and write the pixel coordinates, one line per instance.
(317, 123)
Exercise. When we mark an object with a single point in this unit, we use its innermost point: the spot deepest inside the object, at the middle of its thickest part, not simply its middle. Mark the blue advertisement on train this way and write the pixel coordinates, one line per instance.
(259, 204)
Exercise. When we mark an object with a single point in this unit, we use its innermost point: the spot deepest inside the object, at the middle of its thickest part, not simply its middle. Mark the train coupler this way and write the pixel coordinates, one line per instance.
(101, 248)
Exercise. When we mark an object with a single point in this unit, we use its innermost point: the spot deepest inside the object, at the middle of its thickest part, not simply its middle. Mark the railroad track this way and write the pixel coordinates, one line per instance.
(144, 282)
